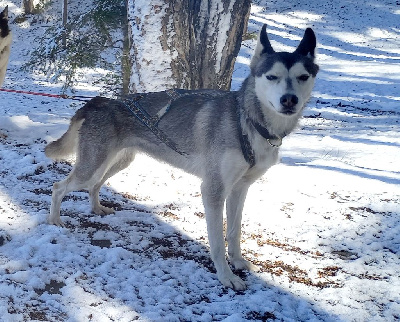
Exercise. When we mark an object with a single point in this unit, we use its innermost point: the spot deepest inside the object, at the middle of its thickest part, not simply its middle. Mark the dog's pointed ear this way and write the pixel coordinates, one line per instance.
(307, 44)
(263, 47)
(264, 41)
(4, 13)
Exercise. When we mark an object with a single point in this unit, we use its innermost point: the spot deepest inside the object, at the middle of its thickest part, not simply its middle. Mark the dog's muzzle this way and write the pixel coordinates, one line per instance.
(288, 103)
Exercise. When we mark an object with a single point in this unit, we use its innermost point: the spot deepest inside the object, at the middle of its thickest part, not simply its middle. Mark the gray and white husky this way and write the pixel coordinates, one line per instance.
(5, 44)
(228, 139)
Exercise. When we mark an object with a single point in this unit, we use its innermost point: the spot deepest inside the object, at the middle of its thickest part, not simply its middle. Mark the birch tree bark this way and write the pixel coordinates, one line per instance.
(184, 43)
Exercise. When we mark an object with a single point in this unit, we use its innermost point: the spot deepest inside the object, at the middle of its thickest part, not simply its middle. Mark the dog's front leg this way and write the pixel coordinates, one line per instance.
(234, 209)
(213, 200)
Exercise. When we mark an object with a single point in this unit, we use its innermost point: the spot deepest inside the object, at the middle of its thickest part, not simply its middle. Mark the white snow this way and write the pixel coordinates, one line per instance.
(323, 225)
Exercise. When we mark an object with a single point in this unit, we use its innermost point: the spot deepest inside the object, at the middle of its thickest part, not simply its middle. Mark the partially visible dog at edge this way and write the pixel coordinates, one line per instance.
(227, 138)
(5, 44)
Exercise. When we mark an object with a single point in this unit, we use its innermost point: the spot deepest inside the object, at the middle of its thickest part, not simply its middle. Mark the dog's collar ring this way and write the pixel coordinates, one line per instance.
(275, 142)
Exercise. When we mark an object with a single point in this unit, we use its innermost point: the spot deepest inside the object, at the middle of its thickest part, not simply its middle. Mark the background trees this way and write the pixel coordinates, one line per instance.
(167, 43)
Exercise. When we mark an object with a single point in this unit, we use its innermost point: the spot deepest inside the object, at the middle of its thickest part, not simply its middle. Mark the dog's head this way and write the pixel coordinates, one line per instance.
(284, 80)
(4, 29)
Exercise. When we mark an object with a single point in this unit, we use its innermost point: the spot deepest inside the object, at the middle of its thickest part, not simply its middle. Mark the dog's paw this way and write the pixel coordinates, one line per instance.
(232, 281)
(244, 264)
(102, 210)
(56, 221)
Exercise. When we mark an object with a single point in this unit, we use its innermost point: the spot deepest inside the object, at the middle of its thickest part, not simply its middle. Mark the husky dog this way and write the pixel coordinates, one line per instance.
(228, 139)
(5, 44)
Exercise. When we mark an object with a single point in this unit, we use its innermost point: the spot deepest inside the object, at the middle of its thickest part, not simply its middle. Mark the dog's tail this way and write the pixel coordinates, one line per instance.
(66, 145)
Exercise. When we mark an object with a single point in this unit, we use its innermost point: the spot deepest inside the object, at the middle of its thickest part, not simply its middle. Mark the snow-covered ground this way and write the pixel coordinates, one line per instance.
(323, 225)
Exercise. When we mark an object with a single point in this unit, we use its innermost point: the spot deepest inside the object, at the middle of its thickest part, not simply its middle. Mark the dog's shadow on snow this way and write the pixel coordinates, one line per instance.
(136, 258)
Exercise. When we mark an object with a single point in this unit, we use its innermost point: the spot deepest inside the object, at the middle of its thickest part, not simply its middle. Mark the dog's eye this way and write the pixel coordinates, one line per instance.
(271, 77)
(303, 78)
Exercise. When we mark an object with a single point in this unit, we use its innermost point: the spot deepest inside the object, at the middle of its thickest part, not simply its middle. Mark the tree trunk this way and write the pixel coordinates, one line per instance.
(185, 43)
(28, 6)
(64, 22)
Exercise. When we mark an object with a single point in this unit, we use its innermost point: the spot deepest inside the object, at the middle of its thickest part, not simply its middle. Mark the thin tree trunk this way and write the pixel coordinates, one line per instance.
(125, 61)
(185, 43)
(28, 6)
(65, 21)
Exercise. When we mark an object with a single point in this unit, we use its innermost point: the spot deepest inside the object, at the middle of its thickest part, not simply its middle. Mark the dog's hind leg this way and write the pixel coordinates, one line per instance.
(123, 160)
(60, 189)
(234, 208)
(213, 200)
(91, 164)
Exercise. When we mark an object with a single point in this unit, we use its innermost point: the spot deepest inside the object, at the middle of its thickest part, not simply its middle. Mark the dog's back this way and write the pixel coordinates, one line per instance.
(5, 44)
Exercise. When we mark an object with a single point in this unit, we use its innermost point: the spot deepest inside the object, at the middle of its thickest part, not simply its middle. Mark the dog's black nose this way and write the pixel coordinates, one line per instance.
(288, 101)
